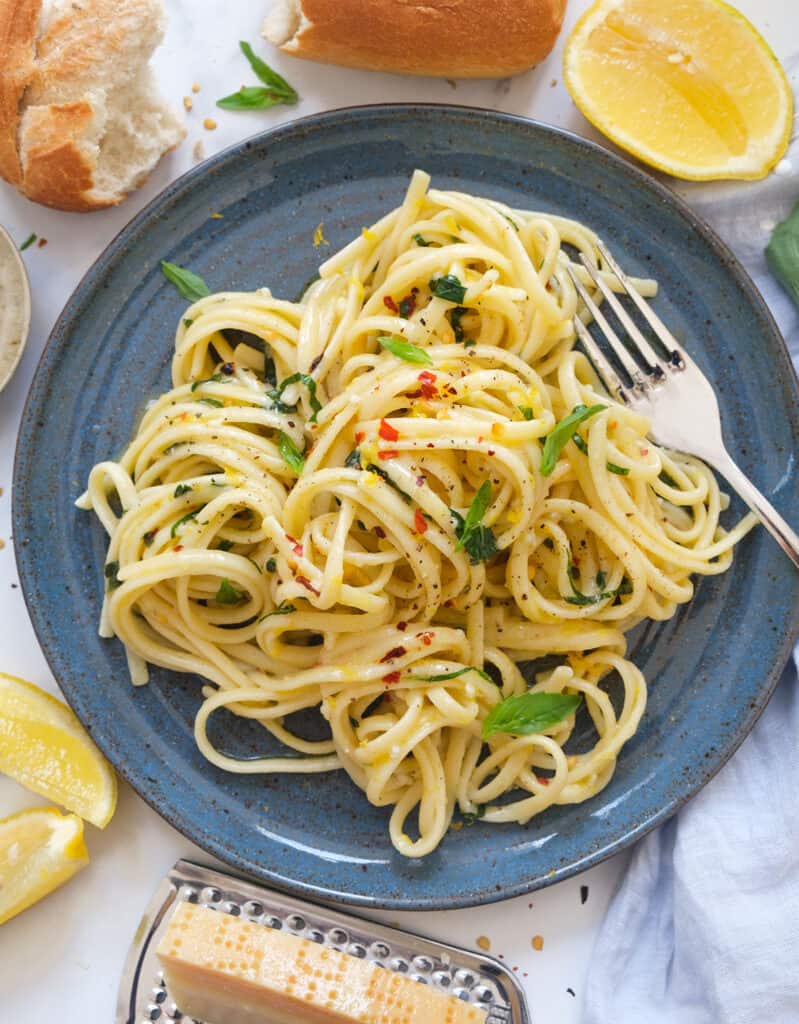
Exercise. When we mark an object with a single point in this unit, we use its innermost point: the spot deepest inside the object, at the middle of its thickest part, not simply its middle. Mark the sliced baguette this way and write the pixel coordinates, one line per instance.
(81, 120)
(447, 38)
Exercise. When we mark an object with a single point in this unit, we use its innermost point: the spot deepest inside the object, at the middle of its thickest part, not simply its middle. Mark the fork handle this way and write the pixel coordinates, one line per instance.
(787, 539)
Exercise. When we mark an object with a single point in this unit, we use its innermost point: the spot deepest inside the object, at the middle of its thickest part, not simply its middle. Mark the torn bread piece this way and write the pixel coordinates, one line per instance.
(447, 38)
(82, 123)
(223, 970)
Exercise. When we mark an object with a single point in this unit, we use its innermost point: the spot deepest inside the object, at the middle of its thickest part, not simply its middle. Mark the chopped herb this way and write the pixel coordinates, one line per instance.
(583, 893)
(580, 599)
(454, 675)
(276, 394)
(511, 221)
(618, 470)
(28, 241)
(372, 468)
(455, 316)
(404, 350)
(601, 579)
(421, 241)
(284, 608)
(353, 460)
(254, 97)
(213, 402)
(225, 545)
(448, 287)
(561, 433)
(148, 537)
(271, 564)
(190, 285)
(527, 713)
(611, 466)
(111, 572)
(183, 519)
(228, 594)
(526, 411)
(182, 489)
(217, 378)
(470, 817)
(477, 540)
(289, 453)
(187, 322)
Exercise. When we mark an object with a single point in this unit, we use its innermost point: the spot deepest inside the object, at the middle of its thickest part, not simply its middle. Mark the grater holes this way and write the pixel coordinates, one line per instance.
(295, 922)
(398, 964)
(442, 979)
(483, 994)
(423, 963)
(252, 908)
(380, 950)
(210, 894)
(314, 935)
(466, 978)
(338, 936)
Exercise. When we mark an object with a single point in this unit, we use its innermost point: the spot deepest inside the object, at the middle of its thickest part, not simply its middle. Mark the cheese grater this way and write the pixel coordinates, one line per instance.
(143, 996)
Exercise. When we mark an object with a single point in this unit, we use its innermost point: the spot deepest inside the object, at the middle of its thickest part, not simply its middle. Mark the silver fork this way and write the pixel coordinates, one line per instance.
(672, 392)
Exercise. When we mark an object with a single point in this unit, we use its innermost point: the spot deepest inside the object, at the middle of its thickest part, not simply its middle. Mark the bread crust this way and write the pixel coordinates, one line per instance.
(18, 21)
(446, 38)
(52, 93)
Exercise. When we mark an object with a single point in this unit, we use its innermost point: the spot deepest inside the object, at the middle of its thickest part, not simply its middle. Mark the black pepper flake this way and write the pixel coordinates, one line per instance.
(571, 992)
(583, 893)
(227, 369)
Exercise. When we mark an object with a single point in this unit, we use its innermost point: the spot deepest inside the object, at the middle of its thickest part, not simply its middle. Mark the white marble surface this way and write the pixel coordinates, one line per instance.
(60, 961)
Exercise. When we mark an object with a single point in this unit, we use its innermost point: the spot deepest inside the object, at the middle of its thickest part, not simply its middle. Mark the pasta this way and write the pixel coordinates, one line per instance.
(382, 502)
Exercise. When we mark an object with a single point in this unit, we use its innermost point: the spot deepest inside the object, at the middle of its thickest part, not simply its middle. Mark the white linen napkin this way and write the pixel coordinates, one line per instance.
(704, 928)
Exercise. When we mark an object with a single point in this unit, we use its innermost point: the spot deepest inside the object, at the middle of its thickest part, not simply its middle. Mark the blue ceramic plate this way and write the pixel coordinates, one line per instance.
(711, 669)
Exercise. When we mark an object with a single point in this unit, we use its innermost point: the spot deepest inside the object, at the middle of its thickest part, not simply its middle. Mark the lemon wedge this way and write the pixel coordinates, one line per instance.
(39, 850)
(46, 749)
(688, 86)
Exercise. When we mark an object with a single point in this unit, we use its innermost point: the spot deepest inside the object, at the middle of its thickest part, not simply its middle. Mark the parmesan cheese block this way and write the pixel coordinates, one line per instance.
(222, 970)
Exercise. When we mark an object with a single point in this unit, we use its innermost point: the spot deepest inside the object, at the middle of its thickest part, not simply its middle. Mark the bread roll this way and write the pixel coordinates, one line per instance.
(447, 38)
(81, 120)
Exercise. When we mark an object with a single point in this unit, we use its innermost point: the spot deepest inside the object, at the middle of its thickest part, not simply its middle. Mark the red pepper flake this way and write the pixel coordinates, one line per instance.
(305, 582)
(542, 779)
(392, 677)
(296, 546)
(178, 547)
(426, 638)
(428, 380)
(395, 652)
(644, 451)
(359, 436)
(429, 445)
(42, 243)
(427, 377)
(480, 439)
(387, 432)
(389, 303)
(387, 454)
(380, 532)
(491, 451)
(419, 521)
(420, 481)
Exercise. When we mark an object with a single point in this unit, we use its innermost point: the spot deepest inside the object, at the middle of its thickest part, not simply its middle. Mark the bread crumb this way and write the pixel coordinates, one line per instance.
(42, 243)
(553, 83)
(199, 150)
(209, 123)
(538, 943)
(319, 236)
(188, 102)
(195, 87)
(216, 216)
(2, 543)
(483, 942)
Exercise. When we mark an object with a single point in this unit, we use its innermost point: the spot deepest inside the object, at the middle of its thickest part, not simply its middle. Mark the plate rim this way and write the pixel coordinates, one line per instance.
(217, 848)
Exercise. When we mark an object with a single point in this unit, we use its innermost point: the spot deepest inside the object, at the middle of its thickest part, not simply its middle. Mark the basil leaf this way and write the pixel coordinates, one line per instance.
(421, 241)
(190, 285)
(481, 544)
(111, 573)
(453, 675)
(581, 444)
(183, 519)
(782, 254)
(269, 77)
(581, 600)
(289, 453)
(218, 378)
(561, 433)
(187, 322)
(252, 97)
(379, 471)
(284, 608)
(182, 489)
(448, 287)
(228, 594)
(455, 316)
(477, 510)
(618, 470)
(28, 241)
(276, 394)
(529, 712)
(404, 350)
(527, 412)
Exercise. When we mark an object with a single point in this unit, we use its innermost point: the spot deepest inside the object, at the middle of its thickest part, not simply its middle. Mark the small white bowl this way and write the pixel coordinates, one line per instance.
(15, 308)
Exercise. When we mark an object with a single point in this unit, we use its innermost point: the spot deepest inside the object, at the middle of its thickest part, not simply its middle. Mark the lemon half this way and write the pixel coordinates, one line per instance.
(687, 86)
(46, 749)
(39, 850)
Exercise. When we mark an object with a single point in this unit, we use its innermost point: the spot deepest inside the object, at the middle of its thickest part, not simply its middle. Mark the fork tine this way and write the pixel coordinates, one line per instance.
(605, 371)
(624, 357)
(654, 321)
(646, 350)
